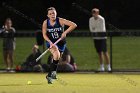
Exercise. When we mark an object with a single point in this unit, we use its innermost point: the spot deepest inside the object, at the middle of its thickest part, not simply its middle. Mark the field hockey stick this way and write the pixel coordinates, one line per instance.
(48, 49)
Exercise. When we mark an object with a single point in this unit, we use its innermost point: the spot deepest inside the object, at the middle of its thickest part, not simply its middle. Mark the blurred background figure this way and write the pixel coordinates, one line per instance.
(66, 63)
(8, 44)
(30, 65)
(97, 24)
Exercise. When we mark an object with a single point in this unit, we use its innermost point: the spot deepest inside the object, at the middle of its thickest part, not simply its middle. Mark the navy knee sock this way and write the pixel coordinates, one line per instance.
(53, 67)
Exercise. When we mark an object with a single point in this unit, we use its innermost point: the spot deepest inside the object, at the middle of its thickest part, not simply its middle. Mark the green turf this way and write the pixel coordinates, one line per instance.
(70, 83)
(125, 52)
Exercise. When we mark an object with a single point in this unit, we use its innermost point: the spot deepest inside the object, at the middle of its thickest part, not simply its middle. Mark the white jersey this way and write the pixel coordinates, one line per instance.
(97, 25)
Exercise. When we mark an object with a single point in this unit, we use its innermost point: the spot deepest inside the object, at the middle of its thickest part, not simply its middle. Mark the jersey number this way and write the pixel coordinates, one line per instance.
(55, 35)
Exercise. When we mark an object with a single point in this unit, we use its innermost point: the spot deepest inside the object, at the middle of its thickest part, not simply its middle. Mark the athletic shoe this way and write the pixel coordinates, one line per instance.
(53, 76)
(8, 69)
(49, 79)
(108, 69)
(12, 70)
(101, 69)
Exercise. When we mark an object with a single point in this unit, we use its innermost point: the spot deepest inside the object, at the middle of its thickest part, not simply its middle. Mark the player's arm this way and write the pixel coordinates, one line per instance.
(71, 27)
(14, 31)
(102, 24)
(91, 25)
(44, 31)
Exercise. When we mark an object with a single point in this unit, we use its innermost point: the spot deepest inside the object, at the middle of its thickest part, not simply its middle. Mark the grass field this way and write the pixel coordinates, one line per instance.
(125, 52)
(70, 83)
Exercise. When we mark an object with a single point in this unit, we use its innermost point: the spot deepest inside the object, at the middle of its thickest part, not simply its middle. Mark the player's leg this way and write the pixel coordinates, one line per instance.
(5, 56)
(106, 55)
(101, 60)
(56, 51)
(54, 59)
(53, 66)
(56, 56)
(98, 46)
(10, 53)
(61, 49)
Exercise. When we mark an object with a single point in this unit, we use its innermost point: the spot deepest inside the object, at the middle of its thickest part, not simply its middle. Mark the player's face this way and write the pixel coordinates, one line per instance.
(52, 14)
(95, 14)
(34, 50)
(8, 23)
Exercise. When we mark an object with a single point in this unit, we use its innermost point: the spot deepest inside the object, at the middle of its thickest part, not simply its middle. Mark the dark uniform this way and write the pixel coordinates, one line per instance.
(54, 33)
(8, 39)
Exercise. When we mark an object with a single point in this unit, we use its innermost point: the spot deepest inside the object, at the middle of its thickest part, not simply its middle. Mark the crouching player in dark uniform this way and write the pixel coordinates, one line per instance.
(53, 29)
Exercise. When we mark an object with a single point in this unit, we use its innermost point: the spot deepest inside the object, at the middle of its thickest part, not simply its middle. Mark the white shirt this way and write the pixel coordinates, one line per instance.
(97, 25)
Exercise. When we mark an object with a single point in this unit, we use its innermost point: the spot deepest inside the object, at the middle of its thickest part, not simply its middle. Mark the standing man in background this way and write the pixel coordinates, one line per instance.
(8, 44)
(97, 24)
